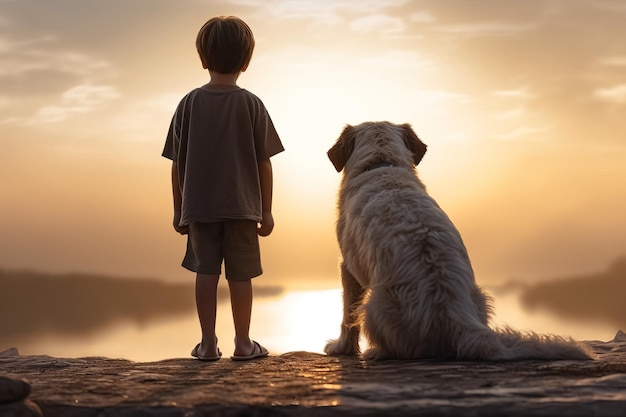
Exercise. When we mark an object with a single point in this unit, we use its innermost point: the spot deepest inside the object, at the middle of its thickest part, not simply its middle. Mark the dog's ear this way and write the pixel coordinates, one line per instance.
(342, 149)
(415, 145)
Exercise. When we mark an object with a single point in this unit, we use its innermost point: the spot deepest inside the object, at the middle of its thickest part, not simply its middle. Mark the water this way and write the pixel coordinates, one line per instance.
(293, 321)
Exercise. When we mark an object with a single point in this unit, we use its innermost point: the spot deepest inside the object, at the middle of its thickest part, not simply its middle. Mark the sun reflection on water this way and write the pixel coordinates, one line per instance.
(301, 320)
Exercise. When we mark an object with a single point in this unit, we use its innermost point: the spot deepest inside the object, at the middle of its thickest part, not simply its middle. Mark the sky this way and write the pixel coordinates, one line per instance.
(521, 104)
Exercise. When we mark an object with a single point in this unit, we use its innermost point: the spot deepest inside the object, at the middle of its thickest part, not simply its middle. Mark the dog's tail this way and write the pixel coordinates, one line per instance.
(529, 345)
(510, 344)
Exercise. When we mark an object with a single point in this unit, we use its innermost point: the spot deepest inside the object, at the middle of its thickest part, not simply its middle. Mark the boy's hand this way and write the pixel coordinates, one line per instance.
(183, 230)
(267, 224)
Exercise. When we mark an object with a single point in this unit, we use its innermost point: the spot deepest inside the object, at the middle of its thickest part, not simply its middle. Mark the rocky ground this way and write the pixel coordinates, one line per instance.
(307, 384)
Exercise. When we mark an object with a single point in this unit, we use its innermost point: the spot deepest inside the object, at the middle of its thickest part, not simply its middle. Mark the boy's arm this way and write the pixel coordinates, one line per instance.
(266, 177)
(178, 201)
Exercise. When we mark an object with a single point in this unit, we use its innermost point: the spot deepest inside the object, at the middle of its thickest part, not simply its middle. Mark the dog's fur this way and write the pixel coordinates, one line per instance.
(407, 279)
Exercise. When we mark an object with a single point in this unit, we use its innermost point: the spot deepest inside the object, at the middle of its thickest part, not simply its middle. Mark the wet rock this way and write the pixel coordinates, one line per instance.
(306, 384)
(20, 409)
(13, 399)
(12, 390)
(9, 352)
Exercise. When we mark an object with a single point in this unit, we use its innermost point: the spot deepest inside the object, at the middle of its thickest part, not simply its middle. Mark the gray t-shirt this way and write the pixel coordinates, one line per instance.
(217, 138)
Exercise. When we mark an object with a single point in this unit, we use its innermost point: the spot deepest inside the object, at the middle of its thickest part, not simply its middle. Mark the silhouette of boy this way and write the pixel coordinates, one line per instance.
(220, 142)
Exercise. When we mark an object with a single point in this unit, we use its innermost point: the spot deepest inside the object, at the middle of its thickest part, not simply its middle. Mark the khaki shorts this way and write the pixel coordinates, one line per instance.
(233, 241)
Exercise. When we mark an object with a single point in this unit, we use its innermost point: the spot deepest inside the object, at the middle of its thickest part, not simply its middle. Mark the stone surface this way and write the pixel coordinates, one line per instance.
(20, 409)
(13, 389)
(9, 352)
(307, 384)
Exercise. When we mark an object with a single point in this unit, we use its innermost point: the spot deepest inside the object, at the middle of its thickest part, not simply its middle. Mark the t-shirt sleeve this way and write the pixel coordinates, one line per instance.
(175, 132)
(266, 138)
(169, 150)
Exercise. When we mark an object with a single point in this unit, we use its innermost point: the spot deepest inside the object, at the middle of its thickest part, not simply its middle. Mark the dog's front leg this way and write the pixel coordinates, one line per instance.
(348, 342)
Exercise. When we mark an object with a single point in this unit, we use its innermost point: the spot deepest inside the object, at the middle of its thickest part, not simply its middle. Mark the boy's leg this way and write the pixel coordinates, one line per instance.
(241, 302)
(242, 261)
(206, 303)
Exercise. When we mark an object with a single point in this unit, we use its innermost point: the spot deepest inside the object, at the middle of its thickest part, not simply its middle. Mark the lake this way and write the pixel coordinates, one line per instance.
(291, 321)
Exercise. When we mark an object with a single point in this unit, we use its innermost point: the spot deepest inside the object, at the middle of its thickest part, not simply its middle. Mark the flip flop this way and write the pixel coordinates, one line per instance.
(194, 353)
(258, 352)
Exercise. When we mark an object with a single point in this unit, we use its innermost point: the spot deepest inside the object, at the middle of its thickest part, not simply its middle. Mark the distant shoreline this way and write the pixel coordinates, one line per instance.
(79, 304)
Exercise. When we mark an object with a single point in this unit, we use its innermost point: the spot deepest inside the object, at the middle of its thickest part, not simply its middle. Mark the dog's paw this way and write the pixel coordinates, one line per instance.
(375, 354)
(340, 347)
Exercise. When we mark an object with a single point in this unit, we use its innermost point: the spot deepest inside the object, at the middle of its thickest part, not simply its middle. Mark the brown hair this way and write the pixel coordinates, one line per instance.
(225, 44)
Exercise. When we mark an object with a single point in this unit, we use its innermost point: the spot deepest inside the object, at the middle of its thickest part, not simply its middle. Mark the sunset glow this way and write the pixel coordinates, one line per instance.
(521, 105)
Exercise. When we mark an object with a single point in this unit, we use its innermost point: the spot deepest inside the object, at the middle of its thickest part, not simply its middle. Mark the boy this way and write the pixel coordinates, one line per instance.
(220, 141)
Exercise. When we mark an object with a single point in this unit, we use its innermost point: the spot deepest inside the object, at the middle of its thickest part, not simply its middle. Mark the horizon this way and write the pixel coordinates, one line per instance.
(521, 106)
(85, 315)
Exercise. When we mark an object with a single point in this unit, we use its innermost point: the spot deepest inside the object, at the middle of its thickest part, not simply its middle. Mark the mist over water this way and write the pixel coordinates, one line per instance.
(85, 315)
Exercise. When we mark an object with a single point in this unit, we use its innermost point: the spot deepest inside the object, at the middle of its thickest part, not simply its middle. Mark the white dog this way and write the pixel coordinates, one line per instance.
(407, 278)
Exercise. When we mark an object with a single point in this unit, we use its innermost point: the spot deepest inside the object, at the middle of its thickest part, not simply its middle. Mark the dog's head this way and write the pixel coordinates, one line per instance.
(377, 142)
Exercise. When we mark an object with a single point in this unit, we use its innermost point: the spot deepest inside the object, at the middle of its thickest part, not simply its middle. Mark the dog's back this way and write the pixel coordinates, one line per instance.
(404, 249)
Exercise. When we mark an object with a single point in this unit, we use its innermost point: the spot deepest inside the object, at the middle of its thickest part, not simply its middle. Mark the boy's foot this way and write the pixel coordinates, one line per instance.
(258, 351)
(195, 353)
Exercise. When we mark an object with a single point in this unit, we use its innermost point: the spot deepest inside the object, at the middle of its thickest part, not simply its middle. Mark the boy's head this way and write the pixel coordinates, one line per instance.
(225, 45)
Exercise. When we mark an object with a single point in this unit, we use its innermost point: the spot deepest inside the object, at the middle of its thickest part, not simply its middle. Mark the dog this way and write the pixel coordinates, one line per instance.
(407, 280)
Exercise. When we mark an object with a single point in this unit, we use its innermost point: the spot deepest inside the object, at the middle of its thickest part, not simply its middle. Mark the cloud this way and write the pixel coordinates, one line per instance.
(614, 61)
(407, 60)
(613, 6)
(522, 132)
(89, 95)
(41, 70)
(77, 100)
(136, 120)
(516, 95)
(439, 96)
(53, 114)
(46, 54)
(520, 92)
(311, 7)
(615, 94)
(319, 11)
(512, 114)
(378, 23)
(495, 28)
(422, 17)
